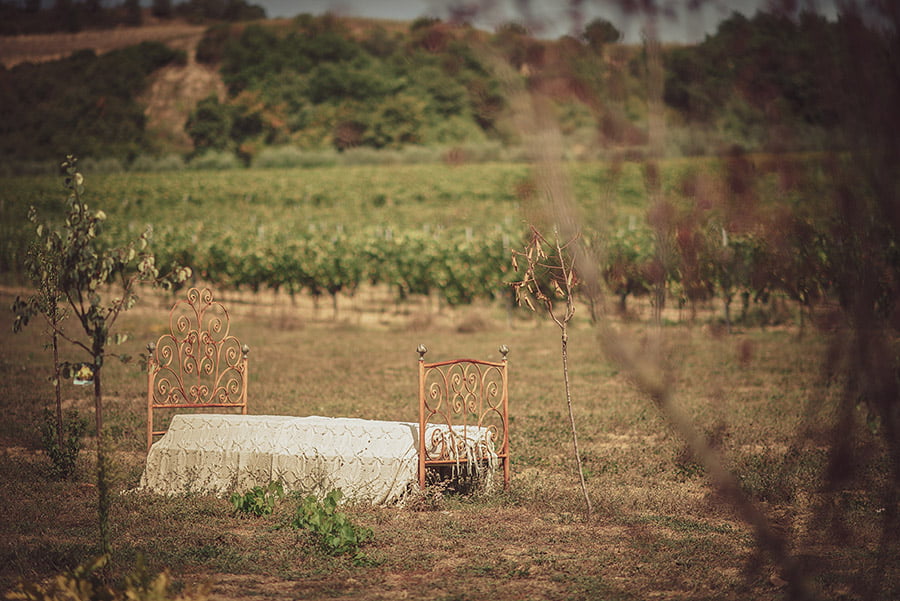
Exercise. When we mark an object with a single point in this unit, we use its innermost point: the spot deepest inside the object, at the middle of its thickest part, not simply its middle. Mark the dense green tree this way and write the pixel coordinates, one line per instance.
(209, 125)
(379, 43)
(161, 9)
(780, 67)
(225, 10)
(342, 81)
(599, 33)
(398, 120)
(247, 60)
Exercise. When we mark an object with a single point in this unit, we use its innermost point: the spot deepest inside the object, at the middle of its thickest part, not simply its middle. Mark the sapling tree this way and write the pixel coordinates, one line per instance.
(95, 282)
(549, 276)
(43, 271)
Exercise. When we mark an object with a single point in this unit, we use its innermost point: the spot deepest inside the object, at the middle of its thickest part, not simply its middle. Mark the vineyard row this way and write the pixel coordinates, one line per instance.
(459, 268)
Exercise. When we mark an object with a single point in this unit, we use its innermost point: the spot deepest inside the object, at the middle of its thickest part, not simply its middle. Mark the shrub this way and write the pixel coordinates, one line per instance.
(85, 584)
(65, 458)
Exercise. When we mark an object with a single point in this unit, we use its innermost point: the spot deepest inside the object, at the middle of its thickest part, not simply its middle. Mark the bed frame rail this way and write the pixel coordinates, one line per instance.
(462, 396)
(198, 363)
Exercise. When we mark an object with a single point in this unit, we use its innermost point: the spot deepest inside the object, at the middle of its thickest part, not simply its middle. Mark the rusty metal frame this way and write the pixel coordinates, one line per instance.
(466, 393)
(198, 363)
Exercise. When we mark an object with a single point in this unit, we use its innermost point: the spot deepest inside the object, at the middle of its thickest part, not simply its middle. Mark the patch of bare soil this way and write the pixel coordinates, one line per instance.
(173, 93)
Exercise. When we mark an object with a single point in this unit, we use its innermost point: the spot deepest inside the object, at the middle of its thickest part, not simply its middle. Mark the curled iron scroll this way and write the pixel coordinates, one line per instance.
(465, 394)
(198, 361)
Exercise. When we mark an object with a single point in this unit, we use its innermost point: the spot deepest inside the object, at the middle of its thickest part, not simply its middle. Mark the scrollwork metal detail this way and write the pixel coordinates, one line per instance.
(463, 395)
(198, 362)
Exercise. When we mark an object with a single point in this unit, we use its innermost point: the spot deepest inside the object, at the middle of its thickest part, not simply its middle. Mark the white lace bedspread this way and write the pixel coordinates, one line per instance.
(370, 461)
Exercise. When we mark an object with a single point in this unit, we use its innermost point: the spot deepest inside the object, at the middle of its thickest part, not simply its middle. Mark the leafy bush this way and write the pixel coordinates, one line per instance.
(258, 501)
(337, 534)
(210, 125)
(65, 458)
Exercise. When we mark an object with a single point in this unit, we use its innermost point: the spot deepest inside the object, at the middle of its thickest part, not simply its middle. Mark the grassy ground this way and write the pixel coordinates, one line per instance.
(658, 530)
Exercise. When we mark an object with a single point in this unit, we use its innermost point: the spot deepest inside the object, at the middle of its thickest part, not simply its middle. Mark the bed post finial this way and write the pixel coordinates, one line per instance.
(504, 350)
(421, 349)
(151, 347)
(245, 350)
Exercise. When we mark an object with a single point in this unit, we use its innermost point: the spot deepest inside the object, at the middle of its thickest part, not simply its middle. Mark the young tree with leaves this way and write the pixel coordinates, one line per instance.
(97, 283)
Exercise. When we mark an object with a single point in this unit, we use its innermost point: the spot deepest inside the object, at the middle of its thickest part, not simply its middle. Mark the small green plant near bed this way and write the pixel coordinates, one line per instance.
(85, 583)
(259, 500)
(337, 534)
(63, 456)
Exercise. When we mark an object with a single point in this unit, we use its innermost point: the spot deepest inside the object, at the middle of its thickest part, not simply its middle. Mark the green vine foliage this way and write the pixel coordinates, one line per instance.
(259, 500)
(65, 457)
(337, 534)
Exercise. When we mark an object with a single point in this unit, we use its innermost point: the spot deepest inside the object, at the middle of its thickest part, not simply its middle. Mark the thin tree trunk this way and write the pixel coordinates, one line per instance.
(103, 500)
(565, 360)
(57, 387)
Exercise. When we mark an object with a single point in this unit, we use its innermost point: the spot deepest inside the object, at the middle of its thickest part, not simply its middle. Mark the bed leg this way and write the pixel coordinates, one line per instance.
(421, 349)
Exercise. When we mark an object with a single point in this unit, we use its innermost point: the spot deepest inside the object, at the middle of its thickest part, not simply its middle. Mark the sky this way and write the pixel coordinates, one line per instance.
(681, 25)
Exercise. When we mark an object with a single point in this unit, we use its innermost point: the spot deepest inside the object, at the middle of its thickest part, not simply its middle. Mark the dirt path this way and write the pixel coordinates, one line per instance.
(48, 47)
(174, 91)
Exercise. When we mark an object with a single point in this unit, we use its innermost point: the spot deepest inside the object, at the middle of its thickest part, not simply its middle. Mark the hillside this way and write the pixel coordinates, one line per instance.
(172, 91)
(330, 84)
(42, 48)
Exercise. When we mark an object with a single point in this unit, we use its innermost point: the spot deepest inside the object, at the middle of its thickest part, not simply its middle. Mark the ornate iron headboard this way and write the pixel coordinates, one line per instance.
(461, 396)
(198, 363)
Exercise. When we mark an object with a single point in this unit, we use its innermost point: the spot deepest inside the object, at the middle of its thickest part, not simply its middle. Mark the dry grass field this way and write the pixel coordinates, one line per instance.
(659, 531)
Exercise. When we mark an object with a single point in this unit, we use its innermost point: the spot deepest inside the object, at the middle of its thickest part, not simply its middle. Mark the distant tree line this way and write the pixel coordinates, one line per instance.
(318, 86)
(18, 17)
(764, 80)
